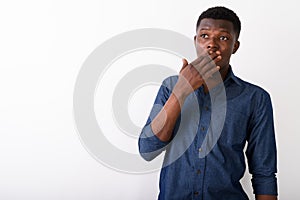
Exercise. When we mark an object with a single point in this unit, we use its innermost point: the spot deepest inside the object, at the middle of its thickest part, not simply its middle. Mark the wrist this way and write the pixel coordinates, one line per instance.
(180, 94)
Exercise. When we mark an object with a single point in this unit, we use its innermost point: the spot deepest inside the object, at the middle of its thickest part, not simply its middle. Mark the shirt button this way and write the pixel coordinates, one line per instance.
(198, 171)
(200, 149)
(196, 193)
(202, 128)
(206, 108)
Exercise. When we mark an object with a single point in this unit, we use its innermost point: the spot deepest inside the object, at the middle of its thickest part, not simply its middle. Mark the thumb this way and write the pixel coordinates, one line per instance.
(184, 64)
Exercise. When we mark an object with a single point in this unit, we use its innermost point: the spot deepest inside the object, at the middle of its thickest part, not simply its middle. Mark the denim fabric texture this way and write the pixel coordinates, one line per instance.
(247, 132)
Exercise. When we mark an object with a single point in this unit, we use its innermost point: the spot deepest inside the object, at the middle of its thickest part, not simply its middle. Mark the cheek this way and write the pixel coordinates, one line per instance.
(199, 47)
(200, 50)
(227, 51)
(226, 54)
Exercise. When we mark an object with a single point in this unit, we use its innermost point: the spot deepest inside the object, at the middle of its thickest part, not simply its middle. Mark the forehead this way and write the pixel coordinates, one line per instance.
(216, 24)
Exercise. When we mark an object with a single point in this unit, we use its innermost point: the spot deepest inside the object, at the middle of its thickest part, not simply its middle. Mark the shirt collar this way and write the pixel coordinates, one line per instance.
(230, 76)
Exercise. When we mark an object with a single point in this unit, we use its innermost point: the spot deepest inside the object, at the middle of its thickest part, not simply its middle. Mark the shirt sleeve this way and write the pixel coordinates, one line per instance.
(150, 146)
(261, 150)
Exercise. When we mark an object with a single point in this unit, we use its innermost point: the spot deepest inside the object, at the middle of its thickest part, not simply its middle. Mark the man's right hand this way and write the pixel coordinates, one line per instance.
(195, 74)
(191, 77)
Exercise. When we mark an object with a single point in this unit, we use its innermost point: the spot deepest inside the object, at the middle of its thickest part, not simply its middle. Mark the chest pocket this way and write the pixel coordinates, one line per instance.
(234, 132)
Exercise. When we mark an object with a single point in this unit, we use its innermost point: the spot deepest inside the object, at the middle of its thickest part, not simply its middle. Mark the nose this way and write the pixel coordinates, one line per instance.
(212, 44)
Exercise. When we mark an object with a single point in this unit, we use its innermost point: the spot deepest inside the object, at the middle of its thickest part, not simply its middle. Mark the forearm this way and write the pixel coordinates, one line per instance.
(191, 77)
(164, 123)
(265, 197)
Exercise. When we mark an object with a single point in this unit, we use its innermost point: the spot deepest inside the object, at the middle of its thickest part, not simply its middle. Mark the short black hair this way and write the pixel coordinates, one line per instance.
(220, 12)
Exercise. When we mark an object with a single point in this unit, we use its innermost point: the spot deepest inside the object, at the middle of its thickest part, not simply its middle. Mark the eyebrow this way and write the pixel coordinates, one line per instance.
(222, 30)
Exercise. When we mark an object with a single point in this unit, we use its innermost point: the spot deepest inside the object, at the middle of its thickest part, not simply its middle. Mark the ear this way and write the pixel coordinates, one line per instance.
(236, 46)
(195, 37)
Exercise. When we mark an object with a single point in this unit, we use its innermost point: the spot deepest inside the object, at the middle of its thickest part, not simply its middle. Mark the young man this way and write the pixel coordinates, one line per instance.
(199, 162)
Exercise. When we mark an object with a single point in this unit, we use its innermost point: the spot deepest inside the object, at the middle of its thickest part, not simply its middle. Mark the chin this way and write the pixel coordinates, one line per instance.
(224, 67)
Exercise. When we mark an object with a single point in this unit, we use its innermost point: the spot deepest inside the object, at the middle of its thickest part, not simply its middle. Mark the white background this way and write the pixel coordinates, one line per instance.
(42, 47)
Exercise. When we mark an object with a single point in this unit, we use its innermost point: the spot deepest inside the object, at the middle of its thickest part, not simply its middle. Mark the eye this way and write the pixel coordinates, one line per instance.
(224, 38)
(204, 35)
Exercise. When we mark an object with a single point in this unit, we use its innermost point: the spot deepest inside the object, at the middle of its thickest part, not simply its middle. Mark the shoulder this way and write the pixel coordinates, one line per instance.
(258, 99)
(253, 90)
(170, 82)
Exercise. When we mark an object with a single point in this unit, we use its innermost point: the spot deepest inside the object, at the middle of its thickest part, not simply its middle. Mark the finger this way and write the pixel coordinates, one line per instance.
(204, 54)
(211, 63)
(184, 64)
(203, 59)
(199, 59)
(210, 73)
(201, 55)
(214, 53)
(207, 64)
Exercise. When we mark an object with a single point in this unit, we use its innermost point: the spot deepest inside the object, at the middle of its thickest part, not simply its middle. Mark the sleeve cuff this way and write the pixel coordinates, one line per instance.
(150, 145)
(265, 185)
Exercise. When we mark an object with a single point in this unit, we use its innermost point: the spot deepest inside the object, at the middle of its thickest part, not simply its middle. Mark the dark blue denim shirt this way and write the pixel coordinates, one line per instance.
(205, 158)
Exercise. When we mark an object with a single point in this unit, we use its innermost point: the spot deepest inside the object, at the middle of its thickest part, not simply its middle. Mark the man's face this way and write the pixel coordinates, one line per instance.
(216, 37)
